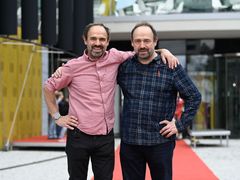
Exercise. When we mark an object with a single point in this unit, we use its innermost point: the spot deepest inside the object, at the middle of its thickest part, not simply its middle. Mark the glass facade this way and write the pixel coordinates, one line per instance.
(201, 69)
(155, 7)
(213, 65)
(228, 66)
(211, 62)
(214, 68)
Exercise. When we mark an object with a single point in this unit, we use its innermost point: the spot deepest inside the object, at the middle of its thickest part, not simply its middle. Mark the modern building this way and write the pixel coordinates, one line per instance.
(204, 35)
(35, 36)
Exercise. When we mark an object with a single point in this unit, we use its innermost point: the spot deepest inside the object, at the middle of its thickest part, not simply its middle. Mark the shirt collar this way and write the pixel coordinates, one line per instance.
(156, 60)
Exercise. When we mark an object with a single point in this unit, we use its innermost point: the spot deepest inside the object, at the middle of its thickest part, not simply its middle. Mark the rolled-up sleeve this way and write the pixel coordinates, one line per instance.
(54, 84)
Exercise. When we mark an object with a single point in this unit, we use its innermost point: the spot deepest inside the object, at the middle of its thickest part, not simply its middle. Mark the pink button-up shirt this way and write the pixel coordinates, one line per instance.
(91, 86)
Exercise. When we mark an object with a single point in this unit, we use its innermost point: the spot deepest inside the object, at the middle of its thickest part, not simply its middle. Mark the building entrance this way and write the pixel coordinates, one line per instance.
(218, 79)
(232, 94)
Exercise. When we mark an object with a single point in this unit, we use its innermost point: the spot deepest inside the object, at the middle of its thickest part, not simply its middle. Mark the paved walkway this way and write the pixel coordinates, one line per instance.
(52, 165)
(223, 161)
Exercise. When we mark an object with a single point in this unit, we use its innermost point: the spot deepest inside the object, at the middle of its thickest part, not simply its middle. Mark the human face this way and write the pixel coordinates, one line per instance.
(144, 44)
(97, 42)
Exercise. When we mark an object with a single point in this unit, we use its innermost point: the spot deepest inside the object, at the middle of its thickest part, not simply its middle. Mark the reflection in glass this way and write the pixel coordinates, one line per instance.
(155, 7)
(201, 70)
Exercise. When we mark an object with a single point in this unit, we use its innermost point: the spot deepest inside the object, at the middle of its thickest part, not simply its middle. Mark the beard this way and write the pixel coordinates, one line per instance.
(144, 53)
(96, 51)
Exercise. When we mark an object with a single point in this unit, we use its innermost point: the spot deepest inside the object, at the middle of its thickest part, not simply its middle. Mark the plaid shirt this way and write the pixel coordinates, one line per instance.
(150, 92)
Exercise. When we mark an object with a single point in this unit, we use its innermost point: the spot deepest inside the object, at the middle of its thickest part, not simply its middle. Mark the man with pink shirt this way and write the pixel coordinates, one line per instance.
(91, 81)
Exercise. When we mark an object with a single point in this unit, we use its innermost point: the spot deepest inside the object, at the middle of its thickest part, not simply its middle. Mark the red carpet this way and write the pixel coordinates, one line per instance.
(186, 165)
(39, 141)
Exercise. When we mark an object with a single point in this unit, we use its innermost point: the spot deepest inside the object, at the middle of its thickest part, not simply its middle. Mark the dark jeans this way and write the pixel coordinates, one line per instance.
(158, 157)
(80, 147)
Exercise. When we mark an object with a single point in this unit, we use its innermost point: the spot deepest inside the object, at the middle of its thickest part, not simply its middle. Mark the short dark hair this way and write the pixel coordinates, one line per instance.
(88, 27)
(155, 37)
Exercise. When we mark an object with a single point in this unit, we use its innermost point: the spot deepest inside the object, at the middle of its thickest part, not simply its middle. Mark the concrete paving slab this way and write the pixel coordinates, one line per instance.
(52, 165)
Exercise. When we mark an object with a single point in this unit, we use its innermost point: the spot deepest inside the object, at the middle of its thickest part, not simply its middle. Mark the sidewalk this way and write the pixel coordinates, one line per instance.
(223, 161)
(52, 164)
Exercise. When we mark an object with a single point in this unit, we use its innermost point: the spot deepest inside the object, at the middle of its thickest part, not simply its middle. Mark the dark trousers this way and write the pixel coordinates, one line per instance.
(158, 157)
(80, 147)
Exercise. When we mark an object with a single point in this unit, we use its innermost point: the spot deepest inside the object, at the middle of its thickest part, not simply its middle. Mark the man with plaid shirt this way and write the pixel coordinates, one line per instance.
(150, 91)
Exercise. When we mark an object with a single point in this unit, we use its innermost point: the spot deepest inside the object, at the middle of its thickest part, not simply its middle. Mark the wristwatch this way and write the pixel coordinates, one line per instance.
(56, 116)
